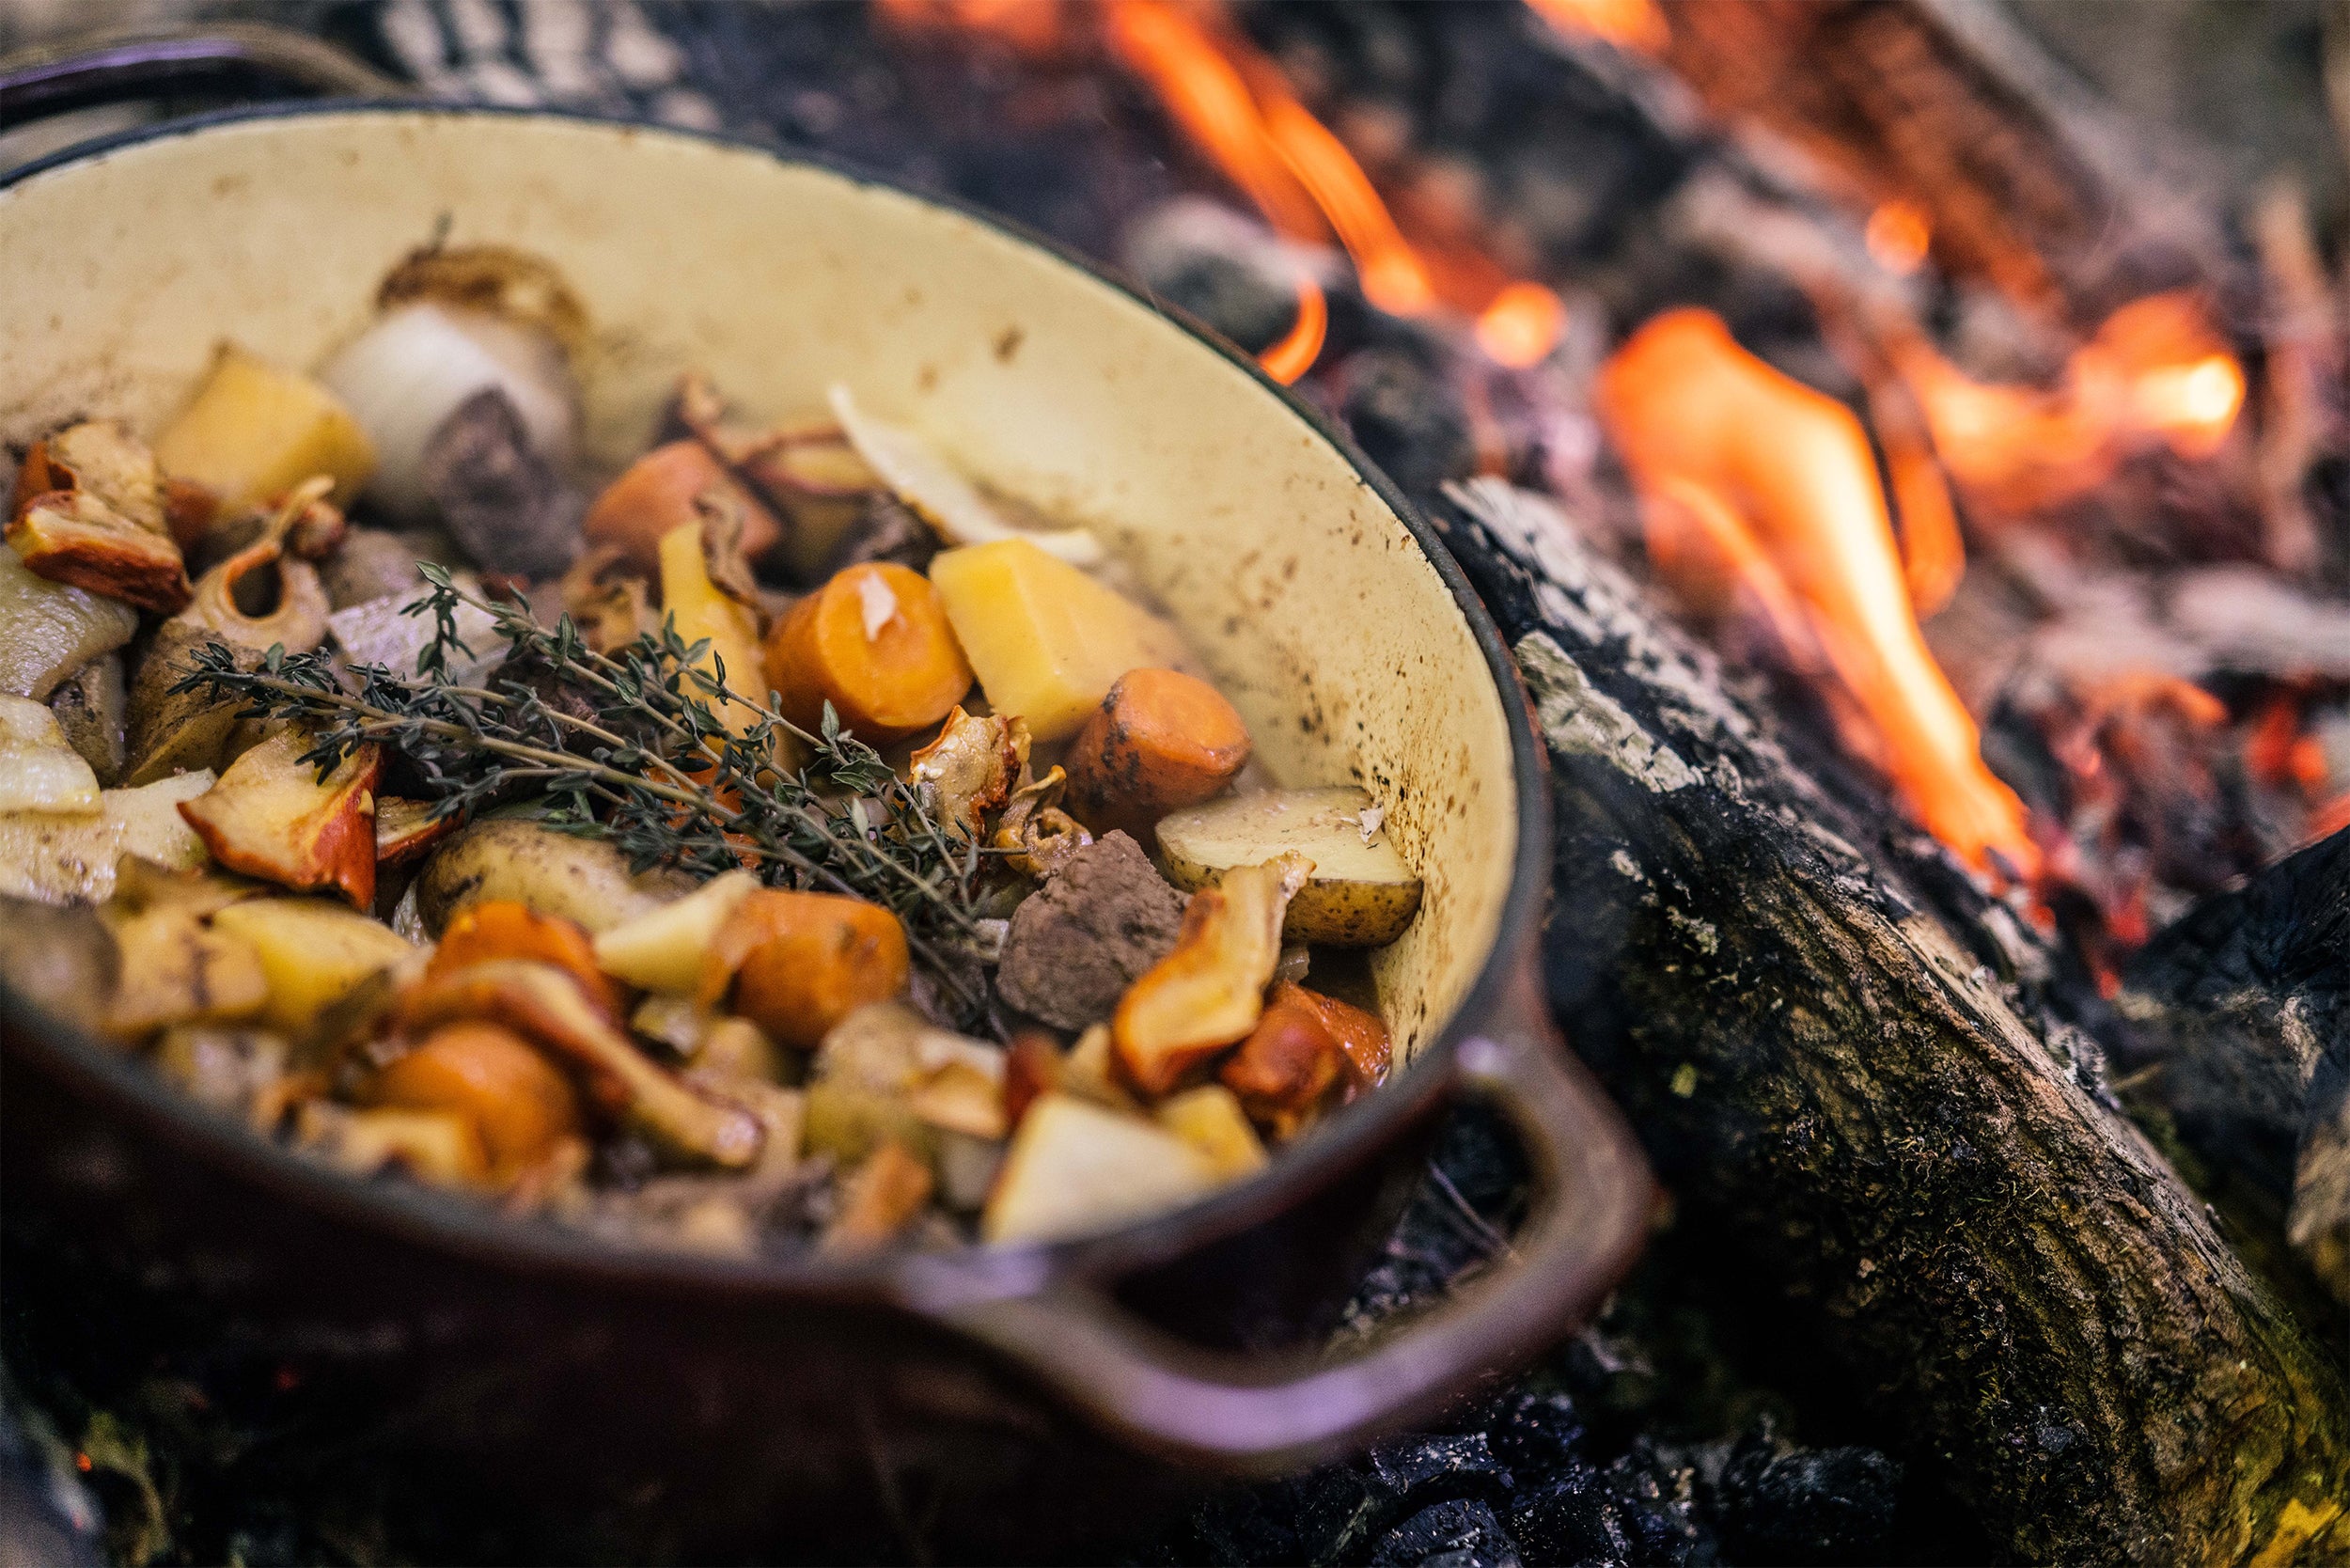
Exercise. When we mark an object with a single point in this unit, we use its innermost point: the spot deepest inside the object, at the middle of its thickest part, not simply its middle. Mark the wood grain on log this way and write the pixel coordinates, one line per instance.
(1863, 1095)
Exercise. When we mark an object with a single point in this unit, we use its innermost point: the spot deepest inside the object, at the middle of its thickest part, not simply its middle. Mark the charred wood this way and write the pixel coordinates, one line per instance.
(2243, 1014)
(2028, 182)
(1831, 1045)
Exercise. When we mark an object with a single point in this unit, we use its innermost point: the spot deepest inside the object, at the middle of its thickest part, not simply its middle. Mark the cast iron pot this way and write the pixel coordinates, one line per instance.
(970, 1390)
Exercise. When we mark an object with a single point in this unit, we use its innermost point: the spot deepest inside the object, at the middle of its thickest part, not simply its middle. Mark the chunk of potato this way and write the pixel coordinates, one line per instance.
(1046, 641)
(1361, 893)
(254, 431)
(586, 881)
(178, 970)
(313, 952)
(662, 949)
(61, 859)
(1076, 1167)
(1210, 1119)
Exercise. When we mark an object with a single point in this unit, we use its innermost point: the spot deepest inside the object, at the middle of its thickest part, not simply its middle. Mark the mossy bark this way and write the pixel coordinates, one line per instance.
(1838, 1051)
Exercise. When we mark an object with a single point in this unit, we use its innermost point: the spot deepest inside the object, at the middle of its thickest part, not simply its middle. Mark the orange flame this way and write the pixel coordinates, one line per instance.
(1726, 449)
(1296, 354)
(1627, 23)
(2154, 373)
(1393, 276)
(1233, 103)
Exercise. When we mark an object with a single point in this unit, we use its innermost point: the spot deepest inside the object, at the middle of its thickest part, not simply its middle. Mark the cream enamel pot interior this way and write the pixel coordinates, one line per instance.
(1346, 638)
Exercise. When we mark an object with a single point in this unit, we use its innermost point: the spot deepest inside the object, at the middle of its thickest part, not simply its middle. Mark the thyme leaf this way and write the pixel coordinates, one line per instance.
(637, 746)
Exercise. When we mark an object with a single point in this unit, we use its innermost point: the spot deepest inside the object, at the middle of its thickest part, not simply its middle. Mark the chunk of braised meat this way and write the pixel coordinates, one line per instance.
(499, 496)
(1080, 940)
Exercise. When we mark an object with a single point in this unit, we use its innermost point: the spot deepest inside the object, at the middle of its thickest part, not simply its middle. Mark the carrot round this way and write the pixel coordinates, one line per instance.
(516, 1101)
(874, 642)
(1161, 741)
(656, 493)
(502, 929)
(802, 961)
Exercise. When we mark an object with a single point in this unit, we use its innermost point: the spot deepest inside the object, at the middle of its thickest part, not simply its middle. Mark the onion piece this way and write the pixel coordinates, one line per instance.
(945, 500)
(406, 374)
(54, 628)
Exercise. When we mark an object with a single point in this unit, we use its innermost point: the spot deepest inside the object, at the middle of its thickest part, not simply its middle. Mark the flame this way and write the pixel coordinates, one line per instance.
(1214, 106)
(1724, 448)
(1393, 276)
(2156, 372)
(1627, 23)
(1296, 354)
(1898, 235)
(1233, 103)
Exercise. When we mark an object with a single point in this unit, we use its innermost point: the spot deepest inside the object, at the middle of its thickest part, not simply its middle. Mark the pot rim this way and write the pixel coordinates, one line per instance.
(484, 1235)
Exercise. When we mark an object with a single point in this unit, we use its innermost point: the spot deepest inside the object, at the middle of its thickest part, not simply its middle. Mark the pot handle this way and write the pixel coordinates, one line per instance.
(212, 59)
(1253, 1415)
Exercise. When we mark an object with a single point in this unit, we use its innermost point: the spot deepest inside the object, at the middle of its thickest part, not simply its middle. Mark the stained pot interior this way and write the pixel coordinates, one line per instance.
(1305, 595)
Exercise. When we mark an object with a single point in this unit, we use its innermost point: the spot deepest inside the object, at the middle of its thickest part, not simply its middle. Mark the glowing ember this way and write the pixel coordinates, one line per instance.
(1898, 235)
(2278, 753)
(1521, 325)
(1031, 26)
(1628, 23)
(2154, 373)
(1722, 446)
(1294, 354)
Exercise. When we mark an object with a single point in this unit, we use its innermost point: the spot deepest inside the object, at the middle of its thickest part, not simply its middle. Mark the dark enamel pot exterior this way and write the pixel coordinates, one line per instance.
(1015, 1396)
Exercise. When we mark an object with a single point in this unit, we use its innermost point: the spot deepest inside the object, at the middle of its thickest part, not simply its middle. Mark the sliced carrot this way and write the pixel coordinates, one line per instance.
(502, 929)
(874, 642)
(656, 494)
(517, 1102)
(1161, 741)
(802, 961)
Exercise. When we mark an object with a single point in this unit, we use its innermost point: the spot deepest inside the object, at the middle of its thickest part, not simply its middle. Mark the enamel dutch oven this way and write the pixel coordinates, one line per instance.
(1013, 1399)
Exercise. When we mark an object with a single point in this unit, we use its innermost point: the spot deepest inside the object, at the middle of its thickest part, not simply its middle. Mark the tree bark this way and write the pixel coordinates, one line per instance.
(1831, 1043)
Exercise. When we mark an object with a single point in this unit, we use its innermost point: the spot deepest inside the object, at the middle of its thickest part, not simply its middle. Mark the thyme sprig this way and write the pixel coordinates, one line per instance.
(632, 746)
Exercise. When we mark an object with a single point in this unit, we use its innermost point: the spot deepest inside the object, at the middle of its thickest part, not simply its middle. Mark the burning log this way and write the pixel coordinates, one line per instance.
(2023, 180)
(2243, 1007)
(1835, 1052)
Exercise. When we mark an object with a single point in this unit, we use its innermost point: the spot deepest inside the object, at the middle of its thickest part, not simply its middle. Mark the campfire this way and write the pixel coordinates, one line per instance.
(1845, 422)
(1817, 530)
(1919, 503)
